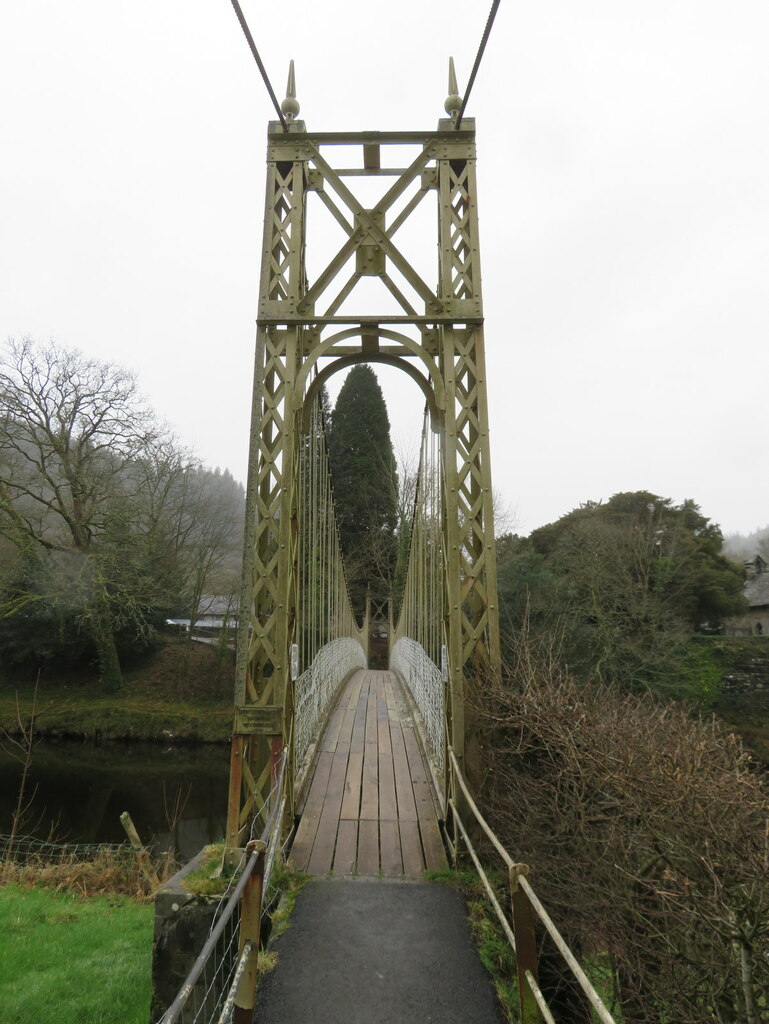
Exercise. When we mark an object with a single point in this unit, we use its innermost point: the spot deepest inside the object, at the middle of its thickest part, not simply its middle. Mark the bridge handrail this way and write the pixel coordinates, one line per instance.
(314, 691)
(524, 901)
(248, 896)
(422, 677)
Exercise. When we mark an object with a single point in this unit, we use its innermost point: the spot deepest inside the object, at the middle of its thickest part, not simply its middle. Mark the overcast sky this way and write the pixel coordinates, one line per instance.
(623, 165)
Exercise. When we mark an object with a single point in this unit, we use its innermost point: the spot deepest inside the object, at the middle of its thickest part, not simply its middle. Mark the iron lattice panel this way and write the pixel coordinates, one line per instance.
(437, 338)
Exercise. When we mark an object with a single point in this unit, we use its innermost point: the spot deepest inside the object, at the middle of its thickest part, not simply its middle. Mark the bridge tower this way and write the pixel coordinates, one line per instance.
(367, 300)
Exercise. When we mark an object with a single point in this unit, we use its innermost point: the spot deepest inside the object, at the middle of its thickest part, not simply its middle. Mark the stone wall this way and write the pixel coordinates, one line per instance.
(752, 623)
(747, 685)
(182, 923)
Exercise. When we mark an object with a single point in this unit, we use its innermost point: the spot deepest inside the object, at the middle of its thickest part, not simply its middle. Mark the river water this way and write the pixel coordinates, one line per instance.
(177, 796)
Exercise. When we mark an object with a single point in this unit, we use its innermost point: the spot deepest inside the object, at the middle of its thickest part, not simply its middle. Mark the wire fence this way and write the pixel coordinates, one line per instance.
(28, 849)
(224, 974)
(316, 687)
(425, 682)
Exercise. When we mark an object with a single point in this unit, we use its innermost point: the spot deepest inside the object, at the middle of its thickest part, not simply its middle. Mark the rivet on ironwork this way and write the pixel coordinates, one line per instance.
(453, 103)
(290, 105)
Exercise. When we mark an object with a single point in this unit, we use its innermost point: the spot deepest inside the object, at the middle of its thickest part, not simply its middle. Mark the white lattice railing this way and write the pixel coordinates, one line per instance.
(423, 678)
(315, 688)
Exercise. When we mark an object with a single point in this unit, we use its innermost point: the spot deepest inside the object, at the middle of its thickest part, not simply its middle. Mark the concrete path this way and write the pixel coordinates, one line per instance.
(376, 952)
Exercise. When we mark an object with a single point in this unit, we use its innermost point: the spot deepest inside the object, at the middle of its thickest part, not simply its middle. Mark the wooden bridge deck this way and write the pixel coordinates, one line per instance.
(370, 808)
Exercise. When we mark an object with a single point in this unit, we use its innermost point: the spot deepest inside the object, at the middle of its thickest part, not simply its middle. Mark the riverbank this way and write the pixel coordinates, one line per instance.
(182, 692)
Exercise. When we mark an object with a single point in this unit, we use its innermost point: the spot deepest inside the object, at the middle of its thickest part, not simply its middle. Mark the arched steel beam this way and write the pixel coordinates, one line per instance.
(350, 360)
(436, 398)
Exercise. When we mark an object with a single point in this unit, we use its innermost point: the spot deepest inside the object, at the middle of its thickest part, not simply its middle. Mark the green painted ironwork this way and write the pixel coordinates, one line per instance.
(367, 300)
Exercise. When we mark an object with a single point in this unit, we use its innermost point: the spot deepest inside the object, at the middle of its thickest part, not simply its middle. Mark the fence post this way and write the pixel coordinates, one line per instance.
(525, 945)
(250, 925)
(143, 858)
(452, 793)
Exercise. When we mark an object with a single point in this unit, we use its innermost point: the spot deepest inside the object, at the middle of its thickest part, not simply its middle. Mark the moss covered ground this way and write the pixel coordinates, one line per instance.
(710, 663)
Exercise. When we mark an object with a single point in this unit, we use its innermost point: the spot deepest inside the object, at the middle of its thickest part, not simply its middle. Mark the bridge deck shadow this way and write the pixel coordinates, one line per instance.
(370, 808)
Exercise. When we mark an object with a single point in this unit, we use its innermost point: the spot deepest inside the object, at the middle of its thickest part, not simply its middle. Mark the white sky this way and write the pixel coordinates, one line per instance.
(623, 192)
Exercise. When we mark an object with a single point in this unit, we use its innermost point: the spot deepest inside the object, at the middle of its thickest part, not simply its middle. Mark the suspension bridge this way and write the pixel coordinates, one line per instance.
(346, 770)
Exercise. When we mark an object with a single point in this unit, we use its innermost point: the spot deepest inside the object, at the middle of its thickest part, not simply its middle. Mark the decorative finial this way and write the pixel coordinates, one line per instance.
(453, 103)
(290, 106)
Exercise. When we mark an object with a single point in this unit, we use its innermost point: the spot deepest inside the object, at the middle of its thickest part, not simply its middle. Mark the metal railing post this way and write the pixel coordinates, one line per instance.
(525, 945)
(236, 784)
(250, 926)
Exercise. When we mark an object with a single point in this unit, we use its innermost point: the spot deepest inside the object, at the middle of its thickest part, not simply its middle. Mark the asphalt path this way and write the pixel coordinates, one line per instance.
(376, 952)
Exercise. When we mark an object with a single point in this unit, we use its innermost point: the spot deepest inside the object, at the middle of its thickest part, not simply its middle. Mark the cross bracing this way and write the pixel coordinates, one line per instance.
(378, 287)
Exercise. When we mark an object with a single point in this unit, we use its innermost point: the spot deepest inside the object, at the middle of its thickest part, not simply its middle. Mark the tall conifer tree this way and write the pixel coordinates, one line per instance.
(365, 483)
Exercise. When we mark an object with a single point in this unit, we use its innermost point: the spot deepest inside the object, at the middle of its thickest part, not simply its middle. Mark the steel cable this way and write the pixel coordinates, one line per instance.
(262, 70)
(478, 58)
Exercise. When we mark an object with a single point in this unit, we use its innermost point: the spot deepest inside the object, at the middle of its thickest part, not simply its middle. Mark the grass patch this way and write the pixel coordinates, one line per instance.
(287, 883)
(68, 960)
(707, 661)
(119, 716)
(211, 878)
(494, 950)
(701, 671)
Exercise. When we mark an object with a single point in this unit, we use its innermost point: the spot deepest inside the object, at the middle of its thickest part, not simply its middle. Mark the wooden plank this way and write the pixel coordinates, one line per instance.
(388, 805)
(335, 723)
(368, 848)
(432, 844)
(370, 767)
(354, 685)
(417, 767)
(407, 809)
(390, 683)
(348, 723)
(322, 854)
(317, 793)
(369, 801)
(358, 738)
(346, 852)
(425, 802)
(301, 848)
(331, 732)
(348, 703)
(371, 722)
(352, 786)
(400, 700)
(383, 726)
(381, 704)
(424, 794)
(313, 808)
(390, 849)
(411, 849)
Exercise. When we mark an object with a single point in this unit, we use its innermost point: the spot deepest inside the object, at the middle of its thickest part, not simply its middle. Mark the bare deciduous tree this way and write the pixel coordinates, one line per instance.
(70, 429)
(646, 831)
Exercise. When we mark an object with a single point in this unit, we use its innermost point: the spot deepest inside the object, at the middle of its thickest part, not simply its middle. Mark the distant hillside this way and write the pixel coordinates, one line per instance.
(740, 547)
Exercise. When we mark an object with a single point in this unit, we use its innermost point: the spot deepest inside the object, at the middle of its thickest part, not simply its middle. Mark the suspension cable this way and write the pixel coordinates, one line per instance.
(262, 70)
(478, 57)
